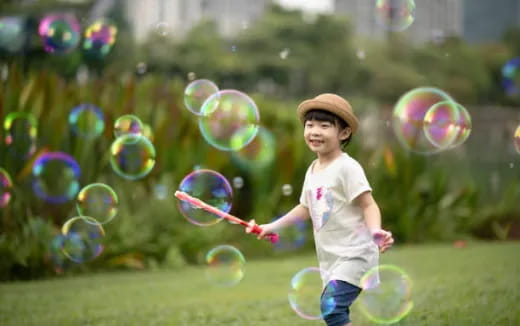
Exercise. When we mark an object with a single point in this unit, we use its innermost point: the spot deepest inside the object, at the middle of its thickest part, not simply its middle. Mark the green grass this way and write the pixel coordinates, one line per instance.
(476, 285)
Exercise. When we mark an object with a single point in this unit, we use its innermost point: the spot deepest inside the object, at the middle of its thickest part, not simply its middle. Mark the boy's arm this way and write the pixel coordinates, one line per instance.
(372, 216)
(298, 213)
(371, 211)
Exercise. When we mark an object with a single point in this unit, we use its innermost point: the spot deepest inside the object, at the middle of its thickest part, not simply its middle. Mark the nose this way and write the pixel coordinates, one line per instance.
(315, 132)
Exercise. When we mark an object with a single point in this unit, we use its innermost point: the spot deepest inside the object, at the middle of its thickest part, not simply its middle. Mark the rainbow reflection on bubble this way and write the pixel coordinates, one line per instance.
(386, 297)
(229, 120)
(56, 177)
(99, 201)
(20, 133)
(440, 123)
(148, 132)
(225, 265)
(83, 238)
(132, 156)
(60, 33)
(259, 153)
(212, 188)
(447, 124)
(12, 33)
(511, 77)
(464, 126)
(6, 188)
(408, 118)
(305, 292)
(128, 124)
(197, 92)
(100, 36)
(87, 120)
(396, 15)
(516, 139)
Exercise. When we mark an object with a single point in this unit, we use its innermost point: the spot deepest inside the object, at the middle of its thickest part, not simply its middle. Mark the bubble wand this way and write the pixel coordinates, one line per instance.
(273, 237)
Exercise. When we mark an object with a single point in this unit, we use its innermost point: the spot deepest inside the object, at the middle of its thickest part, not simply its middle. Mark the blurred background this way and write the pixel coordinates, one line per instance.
(114, 58)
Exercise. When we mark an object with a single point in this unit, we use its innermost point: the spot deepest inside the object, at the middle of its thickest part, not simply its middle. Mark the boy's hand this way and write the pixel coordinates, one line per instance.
(266, 229)
(383, 239)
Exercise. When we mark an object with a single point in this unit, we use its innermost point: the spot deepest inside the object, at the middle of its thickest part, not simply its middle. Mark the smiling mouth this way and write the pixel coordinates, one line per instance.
(315, 142)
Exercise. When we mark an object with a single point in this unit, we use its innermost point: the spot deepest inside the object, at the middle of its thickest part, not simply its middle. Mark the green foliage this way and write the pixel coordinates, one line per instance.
(280, 60)
(422, 197)
(420, 200)
(25, 253)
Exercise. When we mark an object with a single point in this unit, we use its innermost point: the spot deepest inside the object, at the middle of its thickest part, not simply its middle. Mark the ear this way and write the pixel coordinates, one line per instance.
(345, 133)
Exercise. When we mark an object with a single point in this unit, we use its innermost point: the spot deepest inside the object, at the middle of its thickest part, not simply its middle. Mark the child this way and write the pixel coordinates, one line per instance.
(338, 198)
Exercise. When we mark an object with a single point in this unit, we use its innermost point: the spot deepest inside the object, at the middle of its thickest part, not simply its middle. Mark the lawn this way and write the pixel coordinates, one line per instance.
(475, 285)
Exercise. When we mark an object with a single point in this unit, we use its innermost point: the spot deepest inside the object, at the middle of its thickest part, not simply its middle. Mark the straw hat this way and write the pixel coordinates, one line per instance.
(331, 103)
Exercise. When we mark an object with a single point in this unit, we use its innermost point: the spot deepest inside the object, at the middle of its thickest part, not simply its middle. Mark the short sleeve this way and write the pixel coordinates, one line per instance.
(354, 180)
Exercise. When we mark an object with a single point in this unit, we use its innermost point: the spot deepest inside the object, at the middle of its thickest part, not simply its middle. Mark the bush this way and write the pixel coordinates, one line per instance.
(423, 198)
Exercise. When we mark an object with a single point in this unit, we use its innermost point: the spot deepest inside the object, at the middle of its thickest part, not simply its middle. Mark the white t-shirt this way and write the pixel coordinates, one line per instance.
(343, 242)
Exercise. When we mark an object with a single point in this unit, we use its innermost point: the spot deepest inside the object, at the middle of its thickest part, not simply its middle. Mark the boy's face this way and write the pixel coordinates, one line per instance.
(324, 137)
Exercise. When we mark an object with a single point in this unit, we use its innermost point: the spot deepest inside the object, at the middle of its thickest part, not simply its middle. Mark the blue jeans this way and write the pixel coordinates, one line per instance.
(336, 300)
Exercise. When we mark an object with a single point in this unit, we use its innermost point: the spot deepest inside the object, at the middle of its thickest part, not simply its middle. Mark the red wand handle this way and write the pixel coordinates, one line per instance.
(273, 237)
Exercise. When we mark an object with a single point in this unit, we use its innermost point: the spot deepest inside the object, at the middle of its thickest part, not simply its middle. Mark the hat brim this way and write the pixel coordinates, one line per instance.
(311, 104)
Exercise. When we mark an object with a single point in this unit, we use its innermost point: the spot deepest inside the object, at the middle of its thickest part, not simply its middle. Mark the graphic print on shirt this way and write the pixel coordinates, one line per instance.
(321, 205)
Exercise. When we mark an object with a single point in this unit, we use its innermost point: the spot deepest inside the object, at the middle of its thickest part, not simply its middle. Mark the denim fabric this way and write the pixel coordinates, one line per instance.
(336, 300)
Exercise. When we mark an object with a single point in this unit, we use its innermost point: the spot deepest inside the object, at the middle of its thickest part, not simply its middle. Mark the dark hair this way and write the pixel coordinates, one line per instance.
(323, 115)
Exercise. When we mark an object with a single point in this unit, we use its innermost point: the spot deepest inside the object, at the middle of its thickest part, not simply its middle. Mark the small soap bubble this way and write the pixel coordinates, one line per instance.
(285, 53)
(225, 265)
(408, 118)
(87, 120)
(141, 68)
(238, 182)
(160, 191)
(162, 29)
(360, 54)
(83, 239)
(305, 292)
(197, 92)
(56, 177)
(212, 188)
(386, 296)
(97, 200)
(12, 33)
(229, 120)
(287, 190)
(440, 124)
(20, 134)
(128, 124)
(100, 37)
(132, 156)
(396, 15)
(60, 33)
(511, 77)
